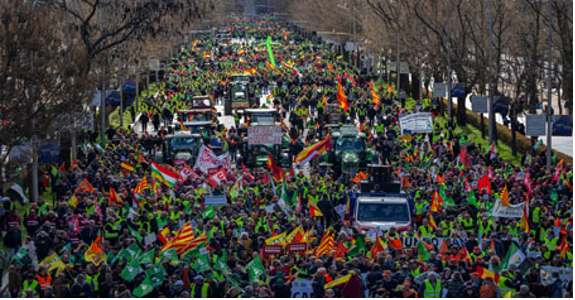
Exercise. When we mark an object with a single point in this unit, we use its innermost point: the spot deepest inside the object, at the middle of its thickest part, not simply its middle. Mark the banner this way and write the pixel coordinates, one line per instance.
(208, 159)
(418, 123)
(272, 249)
(511, 211)
(264, 135)
(297, 247)
(565, 274)
(410, 242)
(301, 288)
(218, 200)
(217, 178)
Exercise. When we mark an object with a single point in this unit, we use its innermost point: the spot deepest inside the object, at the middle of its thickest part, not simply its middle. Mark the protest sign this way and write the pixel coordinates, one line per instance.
(208, 159)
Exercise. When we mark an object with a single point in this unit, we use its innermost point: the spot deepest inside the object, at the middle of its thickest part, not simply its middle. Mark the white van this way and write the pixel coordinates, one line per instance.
(383, 212)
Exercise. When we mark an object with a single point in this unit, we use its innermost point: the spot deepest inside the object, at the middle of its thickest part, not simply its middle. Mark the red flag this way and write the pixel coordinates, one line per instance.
(462, 254)
(278, 173)
(314, 211)
(484, 183)
(464, 158)
(527, 182)
(340, 251)
(348, 77)
(250, 176)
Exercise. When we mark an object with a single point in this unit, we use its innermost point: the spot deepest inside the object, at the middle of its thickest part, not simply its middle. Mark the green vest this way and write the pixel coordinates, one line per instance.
(110, 231)
(419, 208)
(431, 292)
(426, 231)
(446, 227)
(536, 215)
(467, 224)
(551, 244)
(487, 227)
(504, 288)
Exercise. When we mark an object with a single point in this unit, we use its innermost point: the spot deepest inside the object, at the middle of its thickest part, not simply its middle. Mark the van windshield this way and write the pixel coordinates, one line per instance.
(383, 212)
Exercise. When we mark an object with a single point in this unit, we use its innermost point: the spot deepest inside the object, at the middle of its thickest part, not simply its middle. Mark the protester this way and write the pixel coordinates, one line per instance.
(124, 224)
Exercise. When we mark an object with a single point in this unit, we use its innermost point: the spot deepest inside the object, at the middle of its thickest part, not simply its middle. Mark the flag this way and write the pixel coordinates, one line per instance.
(163, 235)
(184, 235)
(53, 262)
(395, 244)
(358, 247)
(525, 216)
(217, 178)
(439, 178)
(18, 188)
(359, 177)
(146, 258)
(492, 151)
(73, 202)
(374, 95)
(314, 211)
(435, 202)
(326, 244)
(246, 172)
(484, 273)
(341, 98)
(277, 172)
(95, 253)
(471, 198)
(209, 212)
(255, 268)
(276, 240)
(504, 196)
(443, 248)
(85, 187)
(236, 188)
(337, 282)
(114, 196)
(422, 252)
(313, 151)
(146, 287)
(340, 251)
(514, 256)
(527, 183)
(464, 158)
(349, 78)
(131, 270)
(164, 175)
(563, 248)
(484, 183)
(126, 166)
(141, 159)
(432, 221)
(197, 251)
(558, 170)
(462, 254)
(169, 255)
(74, 164)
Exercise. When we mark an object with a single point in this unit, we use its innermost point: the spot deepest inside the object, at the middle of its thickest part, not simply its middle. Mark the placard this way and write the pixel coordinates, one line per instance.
(208, 159)
(302, 288)
(272, 249)
(264, 135)
(511, 211)
(297, 247)
(217, 200)
(418, 123)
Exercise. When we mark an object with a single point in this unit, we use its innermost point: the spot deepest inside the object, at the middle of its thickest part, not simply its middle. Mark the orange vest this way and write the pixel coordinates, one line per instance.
(487, 291)
(44, 282)
(328, 278)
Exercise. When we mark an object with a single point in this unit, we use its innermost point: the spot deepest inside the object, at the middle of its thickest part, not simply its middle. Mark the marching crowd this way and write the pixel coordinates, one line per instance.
(120, 225)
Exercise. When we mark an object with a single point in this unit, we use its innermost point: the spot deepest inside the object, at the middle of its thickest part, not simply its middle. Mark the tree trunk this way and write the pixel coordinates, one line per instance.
(461, 120)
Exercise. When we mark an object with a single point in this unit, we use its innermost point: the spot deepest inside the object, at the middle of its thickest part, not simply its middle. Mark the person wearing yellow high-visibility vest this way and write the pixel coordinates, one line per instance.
(200, 289)
(431, 287)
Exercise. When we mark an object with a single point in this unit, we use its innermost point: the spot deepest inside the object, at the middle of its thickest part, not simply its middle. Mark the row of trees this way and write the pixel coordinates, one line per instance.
(419, 29)
(55, 53)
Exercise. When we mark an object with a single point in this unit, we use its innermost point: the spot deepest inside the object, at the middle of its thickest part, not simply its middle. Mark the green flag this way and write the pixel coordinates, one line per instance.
(169, 254)
(22, 252)
(514, 256)
(133, 251)
(255, 268)
(209, 213)
(197, 251)
(471, 198)
(65, 248)
(146, 258)
(135, 234)
(422, 252)
(358, 247)
(157, 274)
(131, 271)
(146, 287)
(202, 264)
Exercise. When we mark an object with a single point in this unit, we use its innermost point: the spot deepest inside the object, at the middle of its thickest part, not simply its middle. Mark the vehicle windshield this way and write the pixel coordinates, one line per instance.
(201, 130)
(201, 102)
(383, 212)
(184, 142)
(240, 78)
(201, 117)
(349, 144)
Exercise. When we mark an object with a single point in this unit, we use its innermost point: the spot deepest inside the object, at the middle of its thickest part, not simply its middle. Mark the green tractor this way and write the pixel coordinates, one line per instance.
(239, 94)
(181, 147)
(349, 152)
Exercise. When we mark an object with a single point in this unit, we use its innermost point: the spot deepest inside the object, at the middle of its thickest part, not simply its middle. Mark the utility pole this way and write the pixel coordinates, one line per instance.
(138, 86)
(35, 192)
(549, 74)
(397, 60)
(121, 79)
(490, 76)
(449, 100)
(354, 40)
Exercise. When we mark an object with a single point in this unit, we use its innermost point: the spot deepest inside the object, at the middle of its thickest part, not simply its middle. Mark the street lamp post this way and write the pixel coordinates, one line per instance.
(549, 73)
(103, 94)
(490, 76)
(35, 191)
(449, 100)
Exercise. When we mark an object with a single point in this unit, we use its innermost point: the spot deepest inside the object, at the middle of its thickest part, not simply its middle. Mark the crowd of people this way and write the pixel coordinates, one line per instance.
(116, 228)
